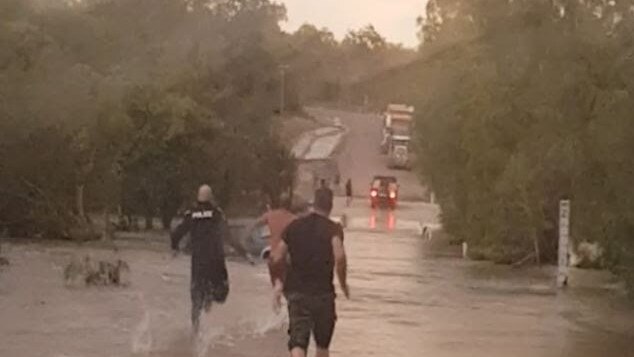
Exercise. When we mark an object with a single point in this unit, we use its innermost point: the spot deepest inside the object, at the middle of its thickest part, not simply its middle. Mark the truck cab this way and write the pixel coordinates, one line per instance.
(399, 156)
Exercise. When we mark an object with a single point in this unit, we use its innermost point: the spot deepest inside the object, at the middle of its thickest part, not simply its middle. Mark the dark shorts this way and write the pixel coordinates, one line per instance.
(311, 314)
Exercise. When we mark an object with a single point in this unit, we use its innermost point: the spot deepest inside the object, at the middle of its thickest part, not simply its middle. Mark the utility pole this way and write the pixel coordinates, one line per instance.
(283, 69)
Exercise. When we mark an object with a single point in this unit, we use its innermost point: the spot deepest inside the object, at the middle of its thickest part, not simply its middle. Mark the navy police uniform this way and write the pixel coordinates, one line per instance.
(206, 226)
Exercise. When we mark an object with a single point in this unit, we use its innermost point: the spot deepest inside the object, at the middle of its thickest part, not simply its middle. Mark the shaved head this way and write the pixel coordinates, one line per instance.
(205, 194)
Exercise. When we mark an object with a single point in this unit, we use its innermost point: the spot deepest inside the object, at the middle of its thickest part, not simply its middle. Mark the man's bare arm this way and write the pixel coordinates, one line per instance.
(341, 264)
(180, 231)
(278, 255)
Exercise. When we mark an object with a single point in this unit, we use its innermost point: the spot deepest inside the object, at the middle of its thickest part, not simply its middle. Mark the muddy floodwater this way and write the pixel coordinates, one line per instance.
(410, 298)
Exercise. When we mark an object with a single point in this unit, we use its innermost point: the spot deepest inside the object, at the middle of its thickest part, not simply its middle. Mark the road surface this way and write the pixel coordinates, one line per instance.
(360, 157)
(411, 297)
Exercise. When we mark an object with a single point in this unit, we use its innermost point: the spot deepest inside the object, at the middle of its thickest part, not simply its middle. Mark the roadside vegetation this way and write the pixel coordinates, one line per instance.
(521, 104)
(120, 108)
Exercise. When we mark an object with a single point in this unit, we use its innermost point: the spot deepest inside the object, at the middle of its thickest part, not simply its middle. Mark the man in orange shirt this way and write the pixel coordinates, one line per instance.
(277, 218)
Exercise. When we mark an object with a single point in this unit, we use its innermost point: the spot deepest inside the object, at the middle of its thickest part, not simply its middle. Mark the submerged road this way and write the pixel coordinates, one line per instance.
(411, 297)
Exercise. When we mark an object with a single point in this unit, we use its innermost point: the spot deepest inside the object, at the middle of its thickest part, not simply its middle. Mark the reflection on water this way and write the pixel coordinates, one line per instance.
(381, 220)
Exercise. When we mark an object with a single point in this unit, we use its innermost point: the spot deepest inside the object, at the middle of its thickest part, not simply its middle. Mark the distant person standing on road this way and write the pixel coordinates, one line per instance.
(348, 192)
(323, 187)
(315, 246)
(206, 225)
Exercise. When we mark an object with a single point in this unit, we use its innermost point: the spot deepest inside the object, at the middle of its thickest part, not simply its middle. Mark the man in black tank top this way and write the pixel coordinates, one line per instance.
(314, 246)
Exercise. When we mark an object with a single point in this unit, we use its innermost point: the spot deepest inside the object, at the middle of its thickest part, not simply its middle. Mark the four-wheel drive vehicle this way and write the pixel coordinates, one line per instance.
(384, 192)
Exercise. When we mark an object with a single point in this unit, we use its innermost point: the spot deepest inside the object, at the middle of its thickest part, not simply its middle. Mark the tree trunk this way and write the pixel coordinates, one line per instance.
(167, 212)
(134, 223)
(79, 196)
(166, 221)
(538, 258)
(85, 172)
(149, 222)
(106, 234)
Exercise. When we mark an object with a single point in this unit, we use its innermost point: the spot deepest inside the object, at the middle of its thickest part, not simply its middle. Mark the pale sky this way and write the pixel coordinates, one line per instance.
(394, 19)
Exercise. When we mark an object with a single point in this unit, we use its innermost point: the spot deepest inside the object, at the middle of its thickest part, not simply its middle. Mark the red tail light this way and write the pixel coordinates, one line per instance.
(373, 193)
(392, 194)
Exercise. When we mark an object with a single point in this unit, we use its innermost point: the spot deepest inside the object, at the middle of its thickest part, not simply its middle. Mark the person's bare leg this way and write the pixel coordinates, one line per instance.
(298, 352)
(322, 353)
(277, 296)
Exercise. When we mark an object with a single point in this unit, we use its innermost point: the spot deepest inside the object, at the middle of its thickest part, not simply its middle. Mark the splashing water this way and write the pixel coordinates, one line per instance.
(271, 322)
(212, 333)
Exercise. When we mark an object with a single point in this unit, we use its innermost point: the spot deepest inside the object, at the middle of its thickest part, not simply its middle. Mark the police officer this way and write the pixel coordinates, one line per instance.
(206, 225)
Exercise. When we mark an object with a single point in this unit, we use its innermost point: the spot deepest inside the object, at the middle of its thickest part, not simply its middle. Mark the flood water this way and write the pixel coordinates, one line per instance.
(409, 298)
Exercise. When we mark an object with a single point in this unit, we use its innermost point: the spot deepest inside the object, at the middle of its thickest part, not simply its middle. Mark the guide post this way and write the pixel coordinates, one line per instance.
(564, 236)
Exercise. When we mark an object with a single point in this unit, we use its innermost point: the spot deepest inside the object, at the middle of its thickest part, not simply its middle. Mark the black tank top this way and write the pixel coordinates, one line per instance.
(309, 241)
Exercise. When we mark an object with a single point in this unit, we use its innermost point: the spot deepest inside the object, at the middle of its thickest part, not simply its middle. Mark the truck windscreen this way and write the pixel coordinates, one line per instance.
(401, 127)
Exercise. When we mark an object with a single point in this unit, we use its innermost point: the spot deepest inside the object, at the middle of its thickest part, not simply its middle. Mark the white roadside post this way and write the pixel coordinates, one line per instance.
(564, 236)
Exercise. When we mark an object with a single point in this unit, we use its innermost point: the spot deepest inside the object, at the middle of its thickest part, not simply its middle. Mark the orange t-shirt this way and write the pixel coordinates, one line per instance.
(277, 221)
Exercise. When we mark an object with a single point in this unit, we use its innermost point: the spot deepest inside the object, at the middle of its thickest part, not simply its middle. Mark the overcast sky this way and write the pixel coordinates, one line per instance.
(394, 19)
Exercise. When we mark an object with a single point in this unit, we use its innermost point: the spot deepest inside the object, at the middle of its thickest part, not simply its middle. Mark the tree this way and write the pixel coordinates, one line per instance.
(365, 39)
(528, 105)
(122, 112)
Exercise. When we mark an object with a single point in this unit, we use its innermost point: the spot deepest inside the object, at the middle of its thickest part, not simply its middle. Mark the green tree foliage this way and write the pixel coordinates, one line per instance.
(322, 69)
(313, 59)
(524, 103)
(132, 104)
(365, 39)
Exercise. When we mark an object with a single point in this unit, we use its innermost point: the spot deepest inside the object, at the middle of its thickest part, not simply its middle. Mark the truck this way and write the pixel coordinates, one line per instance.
(397, 129)
(397, 120)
